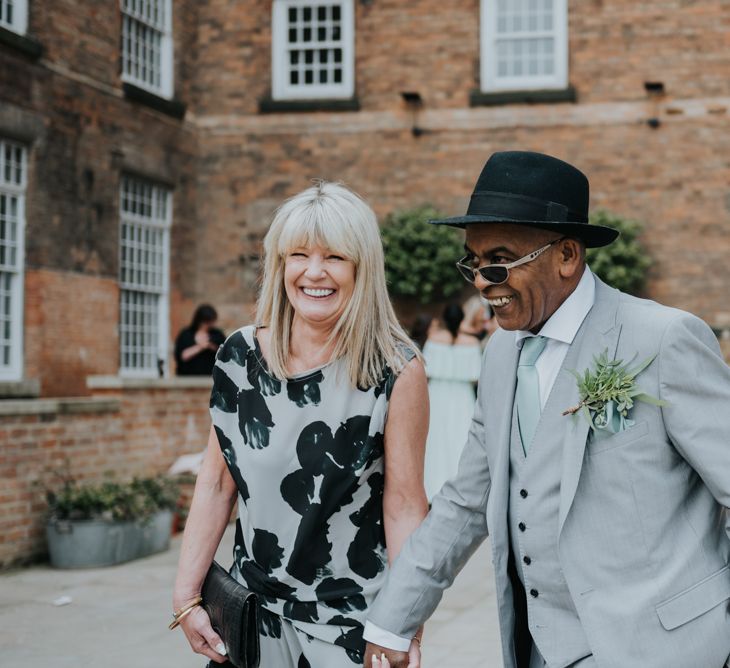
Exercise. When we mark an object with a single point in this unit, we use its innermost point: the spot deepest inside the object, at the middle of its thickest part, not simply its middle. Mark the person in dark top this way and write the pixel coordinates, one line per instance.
(196, 345)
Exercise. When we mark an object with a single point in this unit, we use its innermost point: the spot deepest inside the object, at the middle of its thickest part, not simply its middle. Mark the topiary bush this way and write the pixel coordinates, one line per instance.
(624, 263)
(419, 258)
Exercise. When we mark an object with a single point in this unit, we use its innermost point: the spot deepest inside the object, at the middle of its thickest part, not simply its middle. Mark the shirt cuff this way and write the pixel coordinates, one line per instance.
(378, 636)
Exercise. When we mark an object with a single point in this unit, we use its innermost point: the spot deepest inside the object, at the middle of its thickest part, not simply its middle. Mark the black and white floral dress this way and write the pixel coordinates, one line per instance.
(306, 454)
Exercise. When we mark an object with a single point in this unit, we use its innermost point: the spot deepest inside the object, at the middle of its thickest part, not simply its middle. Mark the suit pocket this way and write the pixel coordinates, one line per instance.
(695, 600)
(617, 440)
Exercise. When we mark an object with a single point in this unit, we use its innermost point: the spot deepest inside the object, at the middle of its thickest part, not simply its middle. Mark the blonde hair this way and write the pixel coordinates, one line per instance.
(473, 307)
(367, 335)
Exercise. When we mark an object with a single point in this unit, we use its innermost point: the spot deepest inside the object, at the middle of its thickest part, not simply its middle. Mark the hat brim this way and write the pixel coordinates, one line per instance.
(594, 236)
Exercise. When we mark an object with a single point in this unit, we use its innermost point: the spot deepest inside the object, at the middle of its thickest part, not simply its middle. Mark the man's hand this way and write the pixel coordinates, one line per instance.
(382, 657)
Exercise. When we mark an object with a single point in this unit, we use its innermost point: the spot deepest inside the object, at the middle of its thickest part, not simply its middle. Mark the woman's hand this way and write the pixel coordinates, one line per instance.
(380, 657)
(201, 636)
(414, 653)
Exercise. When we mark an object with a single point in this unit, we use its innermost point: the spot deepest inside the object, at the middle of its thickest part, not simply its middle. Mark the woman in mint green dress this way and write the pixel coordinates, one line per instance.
(453, 362)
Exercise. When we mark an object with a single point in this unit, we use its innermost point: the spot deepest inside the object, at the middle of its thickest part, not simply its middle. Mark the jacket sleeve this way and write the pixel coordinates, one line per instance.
(694, 381)
(436, 552)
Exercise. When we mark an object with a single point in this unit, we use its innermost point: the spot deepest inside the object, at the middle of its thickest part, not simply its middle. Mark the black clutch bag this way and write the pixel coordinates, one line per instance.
(233, 612)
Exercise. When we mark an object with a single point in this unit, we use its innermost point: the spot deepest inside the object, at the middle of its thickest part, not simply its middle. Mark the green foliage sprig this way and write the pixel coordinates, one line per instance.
(419, 258)
(609, 382)
(624, 263)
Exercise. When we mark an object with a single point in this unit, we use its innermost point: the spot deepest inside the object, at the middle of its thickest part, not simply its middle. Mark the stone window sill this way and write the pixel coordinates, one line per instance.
(28, 388)
(174, 107)
(68, 406)
(172, 383)
(26, 45)
(270, 106)
(478, 98)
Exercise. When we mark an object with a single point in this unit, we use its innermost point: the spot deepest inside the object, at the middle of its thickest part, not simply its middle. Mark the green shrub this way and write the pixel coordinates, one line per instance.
(136, 500)
(624, 263)
(419, 258)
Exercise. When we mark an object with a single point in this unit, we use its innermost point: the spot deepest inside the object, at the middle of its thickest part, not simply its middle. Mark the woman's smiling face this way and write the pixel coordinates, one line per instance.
(319, 284)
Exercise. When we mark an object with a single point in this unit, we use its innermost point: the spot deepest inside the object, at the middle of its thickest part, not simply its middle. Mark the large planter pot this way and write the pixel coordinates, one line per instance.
(156, 533)
(92, 543)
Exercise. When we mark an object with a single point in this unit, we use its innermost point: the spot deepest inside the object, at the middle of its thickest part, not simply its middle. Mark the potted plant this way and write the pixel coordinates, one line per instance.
(108, 523)
(159, 497)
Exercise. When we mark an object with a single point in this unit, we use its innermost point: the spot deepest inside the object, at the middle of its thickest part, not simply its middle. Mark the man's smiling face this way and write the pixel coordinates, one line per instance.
(533, 291)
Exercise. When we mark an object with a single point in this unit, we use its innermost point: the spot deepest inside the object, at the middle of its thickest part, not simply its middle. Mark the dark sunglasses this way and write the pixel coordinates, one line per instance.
(495, 274)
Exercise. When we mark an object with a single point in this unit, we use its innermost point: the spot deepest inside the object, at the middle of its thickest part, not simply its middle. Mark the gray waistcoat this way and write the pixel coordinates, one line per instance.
(534, 501)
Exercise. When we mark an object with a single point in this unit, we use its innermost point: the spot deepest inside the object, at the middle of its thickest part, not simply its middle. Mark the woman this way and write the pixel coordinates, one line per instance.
(196, 345)
(453, 362)
(319, 418)
(477, 320)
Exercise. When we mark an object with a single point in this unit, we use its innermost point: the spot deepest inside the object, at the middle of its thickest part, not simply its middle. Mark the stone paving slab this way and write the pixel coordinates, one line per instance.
(118, 617)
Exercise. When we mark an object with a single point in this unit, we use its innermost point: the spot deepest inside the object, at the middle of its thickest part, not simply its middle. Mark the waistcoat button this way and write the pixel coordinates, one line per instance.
(523, 493)
(527, 560)
(534, 593)
(521, 526)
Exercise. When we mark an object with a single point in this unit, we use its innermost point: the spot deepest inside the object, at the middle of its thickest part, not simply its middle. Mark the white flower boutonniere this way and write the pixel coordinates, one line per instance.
(608, 392)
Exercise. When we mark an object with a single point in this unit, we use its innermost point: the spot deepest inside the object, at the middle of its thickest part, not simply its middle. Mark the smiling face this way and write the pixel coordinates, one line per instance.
(319, 284)
(535, 290)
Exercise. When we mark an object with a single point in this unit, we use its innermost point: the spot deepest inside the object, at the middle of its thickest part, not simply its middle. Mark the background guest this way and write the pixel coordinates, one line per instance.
(453, 362)
(422, 325)
(478, 320)
(196, 345)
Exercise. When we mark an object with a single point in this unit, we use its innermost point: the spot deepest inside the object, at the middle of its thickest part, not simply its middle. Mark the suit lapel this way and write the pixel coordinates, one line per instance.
(599, 332)
(504, 380)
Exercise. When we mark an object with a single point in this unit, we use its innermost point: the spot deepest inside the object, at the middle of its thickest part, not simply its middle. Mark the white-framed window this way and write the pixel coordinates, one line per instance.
(14, 15)
(145, 215)
(313, 49)
(147, 47)
(13, 176)
(524, 45)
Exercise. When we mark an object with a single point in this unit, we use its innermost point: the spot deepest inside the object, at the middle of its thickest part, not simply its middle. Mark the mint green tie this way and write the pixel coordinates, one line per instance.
(528, 389)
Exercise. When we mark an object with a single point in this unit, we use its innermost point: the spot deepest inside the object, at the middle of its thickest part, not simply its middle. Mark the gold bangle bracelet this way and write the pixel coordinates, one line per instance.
(179, 614)
(176, 622)
(191, 604)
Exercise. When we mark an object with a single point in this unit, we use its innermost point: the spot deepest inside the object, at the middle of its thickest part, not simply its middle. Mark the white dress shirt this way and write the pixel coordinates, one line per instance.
(559, 330)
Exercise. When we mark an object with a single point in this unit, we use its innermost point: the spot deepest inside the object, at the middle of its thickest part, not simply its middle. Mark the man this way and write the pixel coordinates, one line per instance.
(609, 536)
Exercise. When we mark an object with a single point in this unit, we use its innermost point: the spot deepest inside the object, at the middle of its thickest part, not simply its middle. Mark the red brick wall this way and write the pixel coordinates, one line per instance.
(70, 329)
(674, 178)
(230, 165)
(149, 429)
(433, 47)
(69, 109)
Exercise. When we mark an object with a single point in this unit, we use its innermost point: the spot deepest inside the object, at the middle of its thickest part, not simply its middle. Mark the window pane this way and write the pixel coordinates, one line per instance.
(12, 225)
(144, 239)
(144, 27)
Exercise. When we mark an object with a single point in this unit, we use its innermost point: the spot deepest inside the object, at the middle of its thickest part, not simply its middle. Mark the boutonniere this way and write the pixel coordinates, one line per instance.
(608, 392)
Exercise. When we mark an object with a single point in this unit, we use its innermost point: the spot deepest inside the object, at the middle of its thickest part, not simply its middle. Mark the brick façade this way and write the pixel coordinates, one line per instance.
(230, 165)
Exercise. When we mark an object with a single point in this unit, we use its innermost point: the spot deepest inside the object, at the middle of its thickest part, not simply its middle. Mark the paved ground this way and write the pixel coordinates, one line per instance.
(118, 618)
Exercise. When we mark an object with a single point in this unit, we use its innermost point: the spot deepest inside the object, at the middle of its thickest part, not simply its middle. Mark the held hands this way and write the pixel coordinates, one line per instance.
(201, 636)
(382, 657)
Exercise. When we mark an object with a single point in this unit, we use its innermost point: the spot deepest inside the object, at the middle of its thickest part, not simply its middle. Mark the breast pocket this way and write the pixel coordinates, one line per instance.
(597, 446)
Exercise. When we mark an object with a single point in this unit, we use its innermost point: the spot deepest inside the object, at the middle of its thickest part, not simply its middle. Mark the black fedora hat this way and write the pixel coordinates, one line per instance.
(533, 189)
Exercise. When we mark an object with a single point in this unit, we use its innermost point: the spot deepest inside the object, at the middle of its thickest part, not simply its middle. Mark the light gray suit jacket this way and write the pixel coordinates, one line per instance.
(642, 531)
